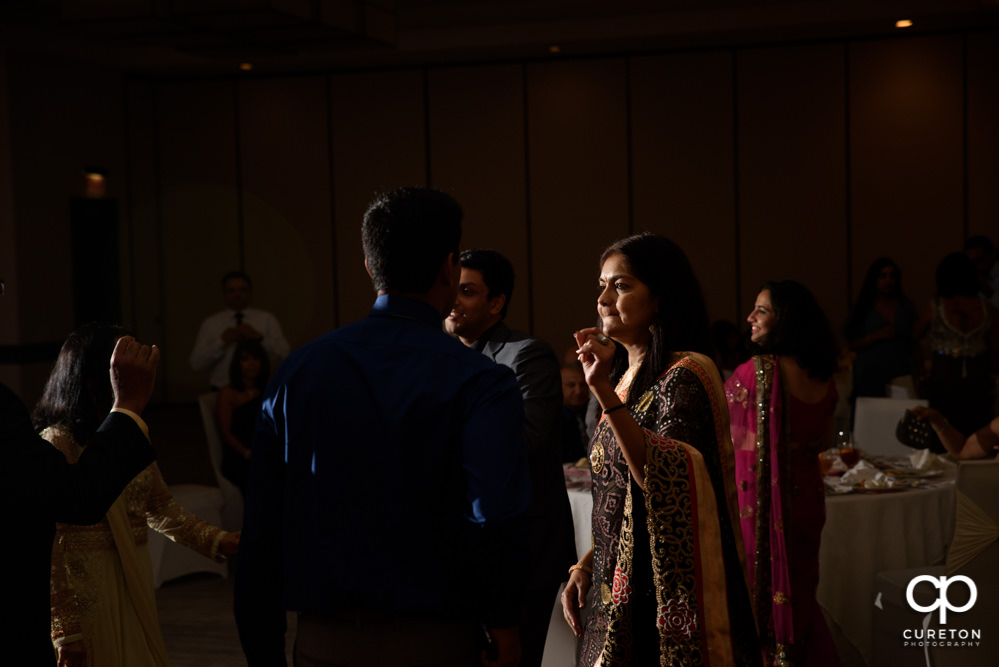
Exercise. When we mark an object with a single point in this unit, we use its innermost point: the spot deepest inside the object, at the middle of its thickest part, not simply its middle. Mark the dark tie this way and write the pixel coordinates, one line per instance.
(239, 319)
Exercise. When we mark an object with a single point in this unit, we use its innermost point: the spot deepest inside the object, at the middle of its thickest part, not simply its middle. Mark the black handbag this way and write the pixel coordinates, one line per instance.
(917, 433)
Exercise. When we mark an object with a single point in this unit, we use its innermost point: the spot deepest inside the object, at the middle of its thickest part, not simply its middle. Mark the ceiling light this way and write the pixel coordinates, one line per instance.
(904, 23)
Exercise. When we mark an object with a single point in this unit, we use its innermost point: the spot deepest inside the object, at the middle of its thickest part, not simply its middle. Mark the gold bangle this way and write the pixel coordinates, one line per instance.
(580, 566)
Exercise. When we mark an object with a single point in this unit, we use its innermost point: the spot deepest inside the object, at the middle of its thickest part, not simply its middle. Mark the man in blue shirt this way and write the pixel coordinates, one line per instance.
(389, 482)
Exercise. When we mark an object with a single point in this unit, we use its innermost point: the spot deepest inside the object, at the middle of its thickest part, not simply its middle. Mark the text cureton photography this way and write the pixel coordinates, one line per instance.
(941, 636)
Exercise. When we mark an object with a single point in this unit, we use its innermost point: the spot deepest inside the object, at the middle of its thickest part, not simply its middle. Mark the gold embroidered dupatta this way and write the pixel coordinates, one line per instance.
(685, 541)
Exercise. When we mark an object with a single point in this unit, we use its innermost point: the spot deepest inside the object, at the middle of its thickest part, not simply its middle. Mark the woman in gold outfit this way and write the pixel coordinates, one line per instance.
(103, 605)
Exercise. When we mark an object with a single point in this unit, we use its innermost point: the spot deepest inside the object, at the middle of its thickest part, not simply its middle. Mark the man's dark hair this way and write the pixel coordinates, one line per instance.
(238, 275)
(800, 330)
(496, 270)
(407, 233)
(78, 394)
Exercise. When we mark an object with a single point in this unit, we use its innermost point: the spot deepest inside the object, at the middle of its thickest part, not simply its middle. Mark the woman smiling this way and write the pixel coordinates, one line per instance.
(781, 404)
(668, 583)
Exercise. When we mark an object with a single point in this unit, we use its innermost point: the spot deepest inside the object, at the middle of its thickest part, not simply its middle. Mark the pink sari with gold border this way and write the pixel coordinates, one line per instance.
(781, 511)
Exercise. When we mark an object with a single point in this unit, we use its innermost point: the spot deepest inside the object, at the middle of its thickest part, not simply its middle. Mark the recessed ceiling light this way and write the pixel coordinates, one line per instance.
(246, 67)
(904, 23)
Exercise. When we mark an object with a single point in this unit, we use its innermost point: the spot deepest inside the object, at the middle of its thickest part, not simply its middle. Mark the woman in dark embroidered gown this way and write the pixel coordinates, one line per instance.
(781, 404)
(238, 407)
(668, 583)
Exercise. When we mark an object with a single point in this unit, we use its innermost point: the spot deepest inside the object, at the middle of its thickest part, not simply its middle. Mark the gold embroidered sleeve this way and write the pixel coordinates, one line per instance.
(65, 610)
(165, 516)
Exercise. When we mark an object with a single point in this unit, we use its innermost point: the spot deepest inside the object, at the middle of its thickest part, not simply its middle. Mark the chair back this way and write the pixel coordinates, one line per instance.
(904, 386)
(232, 512)
(973, 553)
(875, 422)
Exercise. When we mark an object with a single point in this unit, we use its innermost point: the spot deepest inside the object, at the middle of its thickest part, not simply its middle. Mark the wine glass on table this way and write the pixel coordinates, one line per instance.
(847, 452)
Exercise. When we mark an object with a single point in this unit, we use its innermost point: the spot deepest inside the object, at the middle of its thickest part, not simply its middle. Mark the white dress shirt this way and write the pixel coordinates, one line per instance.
(211, 350)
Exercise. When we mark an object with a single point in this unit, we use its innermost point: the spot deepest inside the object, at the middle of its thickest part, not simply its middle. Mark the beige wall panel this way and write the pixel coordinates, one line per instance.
(64, 116)
(379, 143)
(792, 172)
(682, 164)
(578, 157)
(199, 217)
(983, 134)
(906, 155)
(142, 303)
(287, 225)
(477, 155)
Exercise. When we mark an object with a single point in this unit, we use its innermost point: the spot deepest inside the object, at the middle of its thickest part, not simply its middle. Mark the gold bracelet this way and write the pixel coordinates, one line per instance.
(580, 566)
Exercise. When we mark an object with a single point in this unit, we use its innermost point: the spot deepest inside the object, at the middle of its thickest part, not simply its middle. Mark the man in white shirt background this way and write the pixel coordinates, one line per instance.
(220, 332)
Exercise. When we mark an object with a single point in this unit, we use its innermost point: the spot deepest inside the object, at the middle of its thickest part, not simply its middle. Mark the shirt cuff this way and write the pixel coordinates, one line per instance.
(138, 420)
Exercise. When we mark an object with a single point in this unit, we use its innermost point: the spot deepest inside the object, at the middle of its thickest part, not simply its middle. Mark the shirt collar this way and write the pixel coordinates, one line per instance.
(396, 305)
(498, 328)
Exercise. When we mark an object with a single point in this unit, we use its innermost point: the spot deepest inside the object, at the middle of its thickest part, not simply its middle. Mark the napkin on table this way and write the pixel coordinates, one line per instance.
(866, 475)
(924, 459)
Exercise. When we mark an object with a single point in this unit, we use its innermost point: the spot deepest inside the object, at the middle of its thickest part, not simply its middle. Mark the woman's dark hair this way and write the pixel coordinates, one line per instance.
(78, 394)
(680, 323)
(255, 350)
(868, 293)
(956, 276)
(800, 329)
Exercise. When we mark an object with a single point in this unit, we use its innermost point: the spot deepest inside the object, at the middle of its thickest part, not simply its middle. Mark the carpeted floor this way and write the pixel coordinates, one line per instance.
(198, 626)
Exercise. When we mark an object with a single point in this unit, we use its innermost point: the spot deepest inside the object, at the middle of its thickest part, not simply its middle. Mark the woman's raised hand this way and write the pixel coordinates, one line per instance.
(596, 354)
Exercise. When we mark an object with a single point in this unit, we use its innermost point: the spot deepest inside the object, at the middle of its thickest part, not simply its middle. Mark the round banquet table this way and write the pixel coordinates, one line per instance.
(864, 534)
(868, 533)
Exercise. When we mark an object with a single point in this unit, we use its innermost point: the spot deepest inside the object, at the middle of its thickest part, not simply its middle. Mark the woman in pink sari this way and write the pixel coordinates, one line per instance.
(781, 404)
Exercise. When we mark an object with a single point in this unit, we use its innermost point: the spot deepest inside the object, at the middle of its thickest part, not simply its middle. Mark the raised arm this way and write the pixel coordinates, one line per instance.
(596, 358)
(82, 493)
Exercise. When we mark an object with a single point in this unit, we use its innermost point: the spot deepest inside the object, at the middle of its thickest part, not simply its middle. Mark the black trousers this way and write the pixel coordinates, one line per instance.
(362, 639)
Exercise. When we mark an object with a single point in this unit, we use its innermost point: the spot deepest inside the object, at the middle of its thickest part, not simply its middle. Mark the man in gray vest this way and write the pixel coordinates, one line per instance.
(484, 292)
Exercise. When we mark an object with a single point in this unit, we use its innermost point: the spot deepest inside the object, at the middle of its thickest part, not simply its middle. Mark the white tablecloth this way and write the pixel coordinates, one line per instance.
(561, 647)
(870, 533)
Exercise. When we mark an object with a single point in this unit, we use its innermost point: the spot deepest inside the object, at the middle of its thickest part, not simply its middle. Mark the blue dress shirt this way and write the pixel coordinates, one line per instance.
(388, 474)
